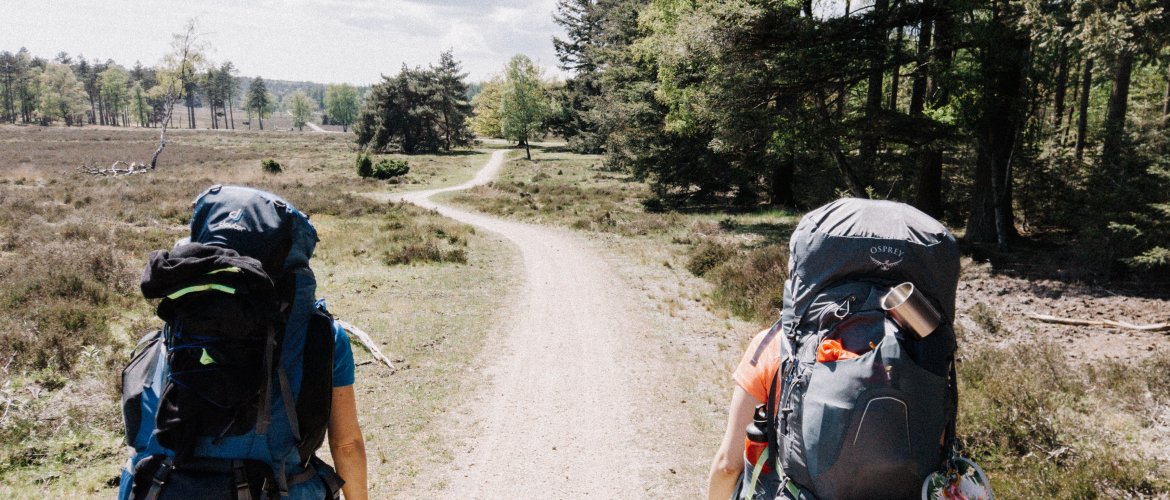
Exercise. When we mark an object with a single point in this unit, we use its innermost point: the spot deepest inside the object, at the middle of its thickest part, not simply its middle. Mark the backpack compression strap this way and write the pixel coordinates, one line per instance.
(765, 341)
(160, 478)
(773, 439)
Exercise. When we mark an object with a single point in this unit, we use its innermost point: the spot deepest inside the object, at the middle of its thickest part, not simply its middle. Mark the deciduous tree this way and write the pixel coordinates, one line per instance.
(301, 108)
(524, 102)
(486, 104)
(341, 104)
(61, 96)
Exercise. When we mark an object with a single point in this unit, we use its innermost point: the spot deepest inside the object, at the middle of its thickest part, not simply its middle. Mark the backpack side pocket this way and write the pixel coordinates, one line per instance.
(137, 378)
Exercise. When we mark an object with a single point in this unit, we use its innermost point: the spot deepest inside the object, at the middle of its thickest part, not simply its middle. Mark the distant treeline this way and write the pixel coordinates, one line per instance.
(993, 115)
(37, 90)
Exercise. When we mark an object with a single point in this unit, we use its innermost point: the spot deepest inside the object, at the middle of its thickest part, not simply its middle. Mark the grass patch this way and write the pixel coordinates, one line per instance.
(415, 236)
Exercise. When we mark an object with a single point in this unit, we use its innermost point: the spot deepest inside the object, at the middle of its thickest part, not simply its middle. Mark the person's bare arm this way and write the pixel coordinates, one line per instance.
(728, 463)
(347, 445)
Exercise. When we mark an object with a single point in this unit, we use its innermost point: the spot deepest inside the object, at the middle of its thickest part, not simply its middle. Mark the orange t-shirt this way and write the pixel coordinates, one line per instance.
(756, 380)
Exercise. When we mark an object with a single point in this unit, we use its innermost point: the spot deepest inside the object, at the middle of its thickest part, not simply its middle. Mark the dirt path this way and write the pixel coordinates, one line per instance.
(558, 418)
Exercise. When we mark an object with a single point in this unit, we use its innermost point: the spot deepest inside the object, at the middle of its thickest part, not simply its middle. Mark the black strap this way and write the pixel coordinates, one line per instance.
(159, 480)
(332, 480)
(950, 439)
(306, 475)
(240, 480)
(143, 341)
(289, 404)
(265, 413)
(329, 477)
(770, 418)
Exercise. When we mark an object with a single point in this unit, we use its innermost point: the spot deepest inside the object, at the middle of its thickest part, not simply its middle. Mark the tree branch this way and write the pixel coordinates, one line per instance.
(1157, 327)
(366, 341)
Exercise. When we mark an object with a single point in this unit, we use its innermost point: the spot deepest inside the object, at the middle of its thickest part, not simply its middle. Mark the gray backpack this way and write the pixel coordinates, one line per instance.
(875, 426)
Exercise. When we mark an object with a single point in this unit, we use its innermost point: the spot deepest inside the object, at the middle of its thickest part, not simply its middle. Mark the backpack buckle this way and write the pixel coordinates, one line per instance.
(240, 478)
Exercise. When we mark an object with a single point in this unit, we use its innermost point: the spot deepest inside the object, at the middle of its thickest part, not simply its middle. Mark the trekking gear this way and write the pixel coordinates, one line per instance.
(876, 425)
(911, 310)
(232, 397)
(960, 478)
(756, 440)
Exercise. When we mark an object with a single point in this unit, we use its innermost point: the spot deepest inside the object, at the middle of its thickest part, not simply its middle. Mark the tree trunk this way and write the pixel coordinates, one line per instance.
(781, 185)
(895, 74)
(928, 183)
(1166, 103)
(1083, 108)
(230, 107)
(991, 219)
(918, 88)
(1114, 144)
(873, 100)
(1060, 91)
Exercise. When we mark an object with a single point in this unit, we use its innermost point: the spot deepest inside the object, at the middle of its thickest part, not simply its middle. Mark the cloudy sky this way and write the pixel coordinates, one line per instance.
(325, 41)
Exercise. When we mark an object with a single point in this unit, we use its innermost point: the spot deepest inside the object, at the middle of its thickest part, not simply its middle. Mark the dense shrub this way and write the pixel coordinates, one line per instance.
(365, 166)
(387, 168)
(707, 255)
(270, 166)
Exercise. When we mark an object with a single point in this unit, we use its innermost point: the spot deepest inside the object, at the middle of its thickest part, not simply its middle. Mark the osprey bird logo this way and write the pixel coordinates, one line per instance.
(885, 265)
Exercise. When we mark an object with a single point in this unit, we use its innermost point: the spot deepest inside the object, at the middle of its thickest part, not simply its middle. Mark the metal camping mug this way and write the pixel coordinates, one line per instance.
(911, 309)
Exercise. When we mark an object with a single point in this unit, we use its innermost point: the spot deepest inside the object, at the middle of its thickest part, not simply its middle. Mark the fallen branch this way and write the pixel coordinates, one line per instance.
(366, 341)
(1157, 327)
(140, 168)
(132, 168)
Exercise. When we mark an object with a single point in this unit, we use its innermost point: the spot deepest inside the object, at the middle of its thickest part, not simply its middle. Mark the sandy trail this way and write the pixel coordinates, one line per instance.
(558, 421)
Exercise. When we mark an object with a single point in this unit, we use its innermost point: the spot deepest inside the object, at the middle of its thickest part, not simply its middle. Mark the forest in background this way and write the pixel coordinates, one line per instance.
(1000, 117)
(1003, 118)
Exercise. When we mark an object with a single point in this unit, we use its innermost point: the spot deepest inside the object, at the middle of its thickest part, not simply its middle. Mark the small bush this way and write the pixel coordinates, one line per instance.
(428, 252)
(415, 235)
(365, 166)
(985, 317)
(751, 285)
(270, 166)
(707, 255)
(387, 168)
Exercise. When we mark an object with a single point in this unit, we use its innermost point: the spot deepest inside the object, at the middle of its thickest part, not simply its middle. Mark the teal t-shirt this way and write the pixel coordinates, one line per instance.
(342, 358)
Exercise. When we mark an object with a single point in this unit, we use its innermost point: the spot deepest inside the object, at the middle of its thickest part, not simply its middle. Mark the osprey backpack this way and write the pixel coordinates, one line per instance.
(873, 423)
(231, 399)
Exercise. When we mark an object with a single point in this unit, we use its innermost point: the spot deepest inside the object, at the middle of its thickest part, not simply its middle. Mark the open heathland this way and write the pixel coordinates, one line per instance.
(1050, 411)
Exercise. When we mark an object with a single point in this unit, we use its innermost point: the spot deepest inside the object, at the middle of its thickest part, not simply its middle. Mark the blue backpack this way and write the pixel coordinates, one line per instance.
(231, 399)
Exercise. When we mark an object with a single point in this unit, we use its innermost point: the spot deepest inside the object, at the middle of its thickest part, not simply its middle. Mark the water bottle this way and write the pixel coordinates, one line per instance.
(757, 438)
